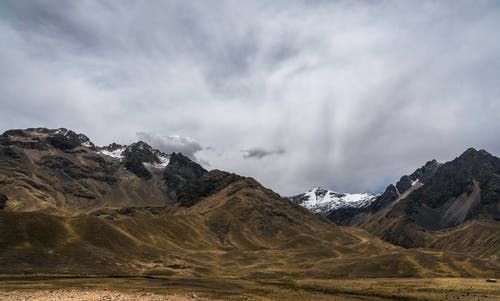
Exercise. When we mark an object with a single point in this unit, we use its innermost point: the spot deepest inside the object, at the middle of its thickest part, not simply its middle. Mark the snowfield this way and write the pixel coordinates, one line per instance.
(323, 201)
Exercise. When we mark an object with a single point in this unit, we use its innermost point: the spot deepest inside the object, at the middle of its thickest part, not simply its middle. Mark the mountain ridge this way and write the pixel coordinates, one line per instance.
(70, 209)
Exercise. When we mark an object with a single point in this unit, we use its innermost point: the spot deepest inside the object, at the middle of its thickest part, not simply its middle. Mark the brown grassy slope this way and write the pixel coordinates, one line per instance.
(69, 182)
(241, 231)
(477, 237)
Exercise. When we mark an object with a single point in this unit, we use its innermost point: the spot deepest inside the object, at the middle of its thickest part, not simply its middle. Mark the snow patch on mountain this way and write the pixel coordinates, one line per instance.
(323, 201)
(140, 151)
(116, 153)
(164, 160)
(62, 131)
(87, 144)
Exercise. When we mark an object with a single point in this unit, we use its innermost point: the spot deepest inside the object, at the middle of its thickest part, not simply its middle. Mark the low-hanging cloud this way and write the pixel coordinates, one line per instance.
(259, 153)
(173, 143)
(357, 92)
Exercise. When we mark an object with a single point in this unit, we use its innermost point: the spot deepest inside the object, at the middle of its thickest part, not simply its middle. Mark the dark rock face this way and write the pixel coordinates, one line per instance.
(342, 216)
(184, 167)
(320, 192)
(12, 153)
(179, 172)
(113, 146)
(67, 141)
(205, 186)
(390, 194)
(3, 200)
(137, 168)
(456, 177)
(67, 170)
(23, 139)
(141, 152)
(135, 155)
(421, 174)
(299, 199)
(450, 193)
(458, 191)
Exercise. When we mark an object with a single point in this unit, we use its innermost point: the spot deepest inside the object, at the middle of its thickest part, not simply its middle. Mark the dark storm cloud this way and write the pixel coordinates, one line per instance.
(259, 153)
(357, 93)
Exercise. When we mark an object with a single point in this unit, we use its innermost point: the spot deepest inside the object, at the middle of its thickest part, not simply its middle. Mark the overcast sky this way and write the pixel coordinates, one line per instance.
(347, 95)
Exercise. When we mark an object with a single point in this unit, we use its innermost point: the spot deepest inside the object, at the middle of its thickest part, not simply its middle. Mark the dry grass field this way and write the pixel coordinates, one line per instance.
(152, 288)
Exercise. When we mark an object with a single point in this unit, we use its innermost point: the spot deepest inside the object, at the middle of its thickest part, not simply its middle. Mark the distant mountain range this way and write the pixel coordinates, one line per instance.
(70, 207)
(341, 206)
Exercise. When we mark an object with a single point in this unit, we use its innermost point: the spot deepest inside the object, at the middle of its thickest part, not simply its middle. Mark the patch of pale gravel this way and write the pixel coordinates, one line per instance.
(91, 295)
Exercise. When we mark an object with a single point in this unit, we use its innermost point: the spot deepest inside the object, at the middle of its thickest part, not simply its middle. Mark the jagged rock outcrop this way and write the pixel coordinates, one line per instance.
(393, 192)
(421, 174)
(180, 172)
(390, 194)
(204, 186)
(135, 155)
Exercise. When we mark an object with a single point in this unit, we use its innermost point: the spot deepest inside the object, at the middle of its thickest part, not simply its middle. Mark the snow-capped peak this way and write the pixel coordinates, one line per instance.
(139, 151)
(323, 201)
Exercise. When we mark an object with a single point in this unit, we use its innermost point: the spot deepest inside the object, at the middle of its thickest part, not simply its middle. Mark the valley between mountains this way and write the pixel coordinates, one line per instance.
(69, 208)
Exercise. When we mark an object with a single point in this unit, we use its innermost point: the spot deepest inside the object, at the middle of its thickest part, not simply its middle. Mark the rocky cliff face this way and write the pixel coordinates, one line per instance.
(406, 183)
(179, 173)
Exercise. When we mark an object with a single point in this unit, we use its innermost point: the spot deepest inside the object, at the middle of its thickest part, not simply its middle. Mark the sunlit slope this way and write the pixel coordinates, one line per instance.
(242, 230)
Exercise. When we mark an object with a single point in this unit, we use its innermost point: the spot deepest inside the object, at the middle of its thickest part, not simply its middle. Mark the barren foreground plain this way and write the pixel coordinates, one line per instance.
(159, 288)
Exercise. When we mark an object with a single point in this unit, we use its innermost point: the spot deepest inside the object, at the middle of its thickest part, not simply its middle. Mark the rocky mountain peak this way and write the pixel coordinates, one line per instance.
(141, 152)
(179, 172)
(420, 175)
(473, 156)
(114, 146)
(43, 138)
(324, 201)
(407, 182)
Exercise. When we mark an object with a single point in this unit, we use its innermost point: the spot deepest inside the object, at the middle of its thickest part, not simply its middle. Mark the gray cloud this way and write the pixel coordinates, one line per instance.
(259, 153)
(173, 143)
(357, 93)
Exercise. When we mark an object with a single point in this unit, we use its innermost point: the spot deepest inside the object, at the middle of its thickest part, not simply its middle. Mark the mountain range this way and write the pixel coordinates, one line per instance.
(453, 206)
(70, 207)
